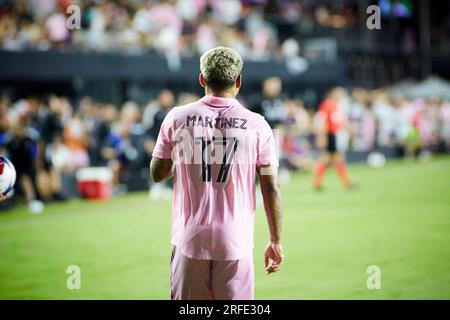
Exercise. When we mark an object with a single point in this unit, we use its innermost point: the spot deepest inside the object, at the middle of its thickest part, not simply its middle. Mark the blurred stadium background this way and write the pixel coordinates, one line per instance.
(96, 97)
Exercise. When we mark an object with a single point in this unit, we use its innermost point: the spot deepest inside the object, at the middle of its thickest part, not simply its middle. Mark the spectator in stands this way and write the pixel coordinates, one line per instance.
(295, 132)
(122, 150)
(108, 145)
(51, 124)
(407, 131)
(387, 118)
(22, 151)
(61, 159)
(361, 121)
(5, 104)
(76, 139)
(444, 116)
(56, 28)
(427, 118)
(153, 115)
(50, 127)
(99, 129)
(164, 103)
(271, 103)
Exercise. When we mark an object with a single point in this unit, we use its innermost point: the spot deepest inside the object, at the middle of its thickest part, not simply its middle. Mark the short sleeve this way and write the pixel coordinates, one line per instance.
(164, 142)
(267, 150)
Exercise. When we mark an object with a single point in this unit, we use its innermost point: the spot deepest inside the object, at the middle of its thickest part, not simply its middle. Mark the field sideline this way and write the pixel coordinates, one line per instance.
(398, 220)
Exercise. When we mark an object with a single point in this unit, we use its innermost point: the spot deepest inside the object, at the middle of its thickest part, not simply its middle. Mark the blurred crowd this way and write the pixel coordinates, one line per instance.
(374, 120)
(257, 29)
(48, 138)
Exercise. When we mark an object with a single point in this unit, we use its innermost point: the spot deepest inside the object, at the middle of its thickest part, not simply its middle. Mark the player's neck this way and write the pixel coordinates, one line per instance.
(229, 94)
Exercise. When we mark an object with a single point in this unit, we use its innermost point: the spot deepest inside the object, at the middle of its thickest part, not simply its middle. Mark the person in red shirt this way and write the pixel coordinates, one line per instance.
(332, 120)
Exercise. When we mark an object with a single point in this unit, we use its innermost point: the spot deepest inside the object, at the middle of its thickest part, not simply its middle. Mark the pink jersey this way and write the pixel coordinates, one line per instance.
(216, 145)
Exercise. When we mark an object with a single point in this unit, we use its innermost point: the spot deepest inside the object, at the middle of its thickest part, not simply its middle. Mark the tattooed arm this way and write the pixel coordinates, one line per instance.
(270, 188)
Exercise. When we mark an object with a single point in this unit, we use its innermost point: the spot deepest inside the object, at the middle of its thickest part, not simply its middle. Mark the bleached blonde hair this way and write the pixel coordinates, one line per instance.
(220, 67)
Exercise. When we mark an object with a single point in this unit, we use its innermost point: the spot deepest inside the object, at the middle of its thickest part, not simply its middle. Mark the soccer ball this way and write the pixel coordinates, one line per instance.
(376, 160)
(7, 177)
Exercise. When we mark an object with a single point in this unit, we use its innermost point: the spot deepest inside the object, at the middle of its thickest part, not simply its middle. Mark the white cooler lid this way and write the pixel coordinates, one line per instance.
(101, 174)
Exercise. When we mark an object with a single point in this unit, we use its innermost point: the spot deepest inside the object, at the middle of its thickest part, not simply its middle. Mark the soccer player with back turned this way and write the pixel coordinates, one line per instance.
(214, 148)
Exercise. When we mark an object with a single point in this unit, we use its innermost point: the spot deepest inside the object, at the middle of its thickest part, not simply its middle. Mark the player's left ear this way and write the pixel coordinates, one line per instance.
(239, 81)
(201, 80)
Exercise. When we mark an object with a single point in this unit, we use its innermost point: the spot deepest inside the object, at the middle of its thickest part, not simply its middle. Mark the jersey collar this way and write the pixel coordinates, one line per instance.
(220, 102)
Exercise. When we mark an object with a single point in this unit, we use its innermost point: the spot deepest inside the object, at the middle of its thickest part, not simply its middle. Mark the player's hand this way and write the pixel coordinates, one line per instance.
(273, 257)
(3, 197)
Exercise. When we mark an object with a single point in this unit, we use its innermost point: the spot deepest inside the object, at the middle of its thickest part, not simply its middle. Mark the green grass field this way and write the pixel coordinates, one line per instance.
(398, 220)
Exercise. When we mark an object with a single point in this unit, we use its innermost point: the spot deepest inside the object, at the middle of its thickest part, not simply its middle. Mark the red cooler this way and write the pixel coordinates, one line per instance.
(95, 183)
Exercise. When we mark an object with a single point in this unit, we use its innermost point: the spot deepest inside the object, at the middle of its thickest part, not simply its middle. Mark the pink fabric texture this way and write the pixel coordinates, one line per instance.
(193, 279)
